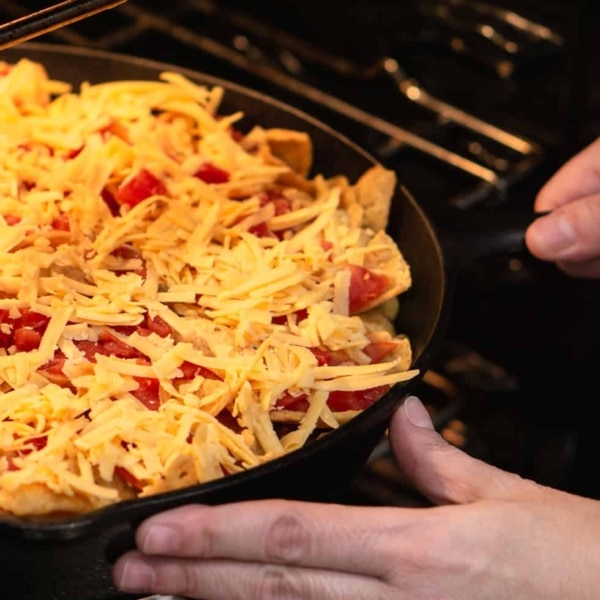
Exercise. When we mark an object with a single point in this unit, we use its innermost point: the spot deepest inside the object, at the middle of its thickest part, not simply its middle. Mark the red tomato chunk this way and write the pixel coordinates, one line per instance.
(24, 332)
(365, 286)
(210, 173)
(138, 188)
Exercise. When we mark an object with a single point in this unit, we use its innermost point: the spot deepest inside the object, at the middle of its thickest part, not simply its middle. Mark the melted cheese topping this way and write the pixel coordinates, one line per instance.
(244, 310)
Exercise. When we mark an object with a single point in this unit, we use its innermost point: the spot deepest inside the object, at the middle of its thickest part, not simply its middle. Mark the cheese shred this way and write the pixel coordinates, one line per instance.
(178, 300)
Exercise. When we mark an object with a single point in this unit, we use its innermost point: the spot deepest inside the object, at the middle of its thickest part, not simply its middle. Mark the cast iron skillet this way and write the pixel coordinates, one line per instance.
(71, 558)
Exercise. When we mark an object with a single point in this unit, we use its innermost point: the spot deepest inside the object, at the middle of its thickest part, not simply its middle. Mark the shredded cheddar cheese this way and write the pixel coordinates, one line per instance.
(179, 301)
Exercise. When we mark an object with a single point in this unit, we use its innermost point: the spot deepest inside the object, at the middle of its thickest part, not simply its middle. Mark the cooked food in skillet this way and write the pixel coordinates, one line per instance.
(179, 301)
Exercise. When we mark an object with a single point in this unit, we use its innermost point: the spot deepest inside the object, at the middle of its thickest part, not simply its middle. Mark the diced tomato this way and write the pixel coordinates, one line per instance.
(128, 478)
(12, 219)
(26, 330)
(148, 392)
(301, 315)
(282, 319)
(53, 370)
(112, 346)
(61, 223)
(150, 325)
(236, 134)
(210, 173)
(5, 336)
(110, 201)
(330, 357)
(377, 351)
(39, 442)
(89, 349)
(260, 230)
(139, 187)
(323, 356)
(26, 339)
(296, 403)
(191, 371)
(108, 345)
(356, 400)
(338, 401)
(281, 205)
(365, 286)
(275, 197)
(74, 153)
(33, 445)
(5, 340)
(227, 419)
(129, 329)
(32, 319)
(159, 326)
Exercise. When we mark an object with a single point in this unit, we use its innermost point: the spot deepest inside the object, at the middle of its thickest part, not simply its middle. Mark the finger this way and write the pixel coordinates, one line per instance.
(228, 580)
(328, 536)
(589, 269)
(578, 177)
(441, 472)
(571, 233)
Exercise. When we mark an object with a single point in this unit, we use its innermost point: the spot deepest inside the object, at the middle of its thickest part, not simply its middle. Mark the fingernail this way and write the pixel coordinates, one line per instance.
(160, 539)
(554, 233)
(135, 576)
(416, 413)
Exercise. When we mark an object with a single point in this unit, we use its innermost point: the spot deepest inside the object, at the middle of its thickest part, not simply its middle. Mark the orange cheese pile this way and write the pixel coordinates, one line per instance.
(229, 297)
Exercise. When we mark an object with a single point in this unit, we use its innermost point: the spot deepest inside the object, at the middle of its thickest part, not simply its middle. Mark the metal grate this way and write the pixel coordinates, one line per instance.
(391, 112)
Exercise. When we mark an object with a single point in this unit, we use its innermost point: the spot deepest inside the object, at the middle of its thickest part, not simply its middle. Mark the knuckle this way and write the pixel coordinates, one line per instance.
(288, 539)
(281, 583)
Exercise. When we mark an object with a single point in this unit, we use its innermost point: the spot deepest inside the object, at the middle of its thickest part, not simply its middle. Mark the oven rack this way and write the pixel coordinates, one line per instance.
(288, 63)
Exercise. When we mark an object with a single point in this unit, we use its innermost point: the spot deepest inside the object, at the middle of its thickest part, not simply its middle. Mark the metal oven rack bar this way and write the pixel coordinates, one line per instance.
(250, 58)
(244, 51)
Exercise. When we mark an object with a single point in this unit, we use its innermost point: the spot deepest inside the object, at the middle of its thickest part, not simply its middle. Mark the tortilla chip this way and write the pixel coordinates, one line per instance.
(37, 499)
(388, 261)
(294, 148)
(368, 202)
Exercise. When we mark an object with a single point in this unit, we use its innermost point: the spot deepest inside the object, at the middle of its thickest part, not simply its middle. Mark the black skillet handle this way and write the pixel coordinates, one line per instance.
(469, 235)
(121, 542)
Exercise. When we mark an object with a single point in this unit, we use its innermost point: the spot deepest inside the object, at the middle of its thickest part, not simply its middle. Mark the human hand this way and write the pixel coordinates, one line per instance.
(495, 536)
(570, 234)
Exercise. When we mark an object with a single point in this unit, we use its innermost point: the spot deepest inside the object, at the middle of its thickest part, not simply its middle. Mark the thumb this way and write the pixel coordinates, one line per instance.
(441, 472)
